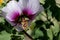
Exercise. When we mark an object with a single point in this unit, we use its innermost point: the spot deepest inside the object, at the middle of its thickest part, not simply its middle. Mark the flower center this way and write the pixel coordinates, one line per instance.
(24, 23)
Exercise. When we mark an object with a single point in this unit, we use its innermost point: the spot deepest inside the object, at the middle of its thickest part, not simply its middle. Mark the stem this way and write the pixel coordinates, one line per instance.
(27, 35)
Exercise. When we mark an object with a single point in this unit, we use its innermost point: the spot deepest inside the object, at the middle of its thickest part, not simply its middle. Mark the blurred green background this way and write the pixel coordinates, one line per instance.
(46, 25)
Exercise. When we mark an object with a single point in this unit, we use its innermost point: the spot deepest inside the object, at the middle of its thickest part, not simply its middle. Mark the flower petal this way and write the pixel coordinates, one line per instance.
(27, 12)
(34, 5)
(13, 17)
(18, 27)
(23, 3)
(11, 7)
(12, 23)
(11, 11)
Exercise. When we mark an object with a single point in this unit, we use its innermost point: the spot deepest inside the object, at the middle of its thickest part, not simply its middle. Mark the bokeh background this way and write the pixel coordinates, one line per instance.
(46, 25)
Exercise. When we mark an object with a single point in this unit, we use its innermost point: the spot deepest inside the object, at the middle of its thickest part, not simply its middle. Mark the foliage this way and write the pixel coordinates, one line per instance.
(46, 25)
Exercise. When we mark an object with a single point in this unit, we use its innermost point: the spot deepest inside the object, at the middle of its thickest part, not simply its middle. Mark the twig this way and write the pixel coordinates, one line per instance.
(27, 35)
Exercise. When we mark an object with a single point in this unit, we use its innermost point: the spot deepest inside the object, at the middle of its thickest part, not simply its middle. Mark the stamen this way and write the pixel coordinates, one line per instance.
(24, 23)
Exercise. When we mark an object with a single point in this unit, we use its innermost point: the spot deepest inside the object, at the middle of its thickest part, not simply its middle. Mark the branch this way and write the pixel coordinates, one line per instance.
(27, 35)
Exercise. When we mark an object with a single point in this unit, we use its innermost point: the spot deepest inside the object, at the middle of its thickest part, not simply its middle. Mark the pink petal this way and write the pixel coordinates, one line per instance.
(11, 12)
(13, 16)
(35, 6)
(27, 12)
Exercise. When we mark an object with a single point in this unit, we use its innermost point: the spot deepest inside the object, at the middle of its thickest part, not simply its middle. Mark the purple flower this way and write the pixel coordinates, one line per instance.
(14, 11)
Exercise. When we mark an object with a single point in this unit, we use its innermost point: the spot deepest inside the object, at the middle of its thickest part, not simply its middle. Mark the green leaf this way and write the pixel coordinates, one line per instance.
(5, 36)
(55, 28)
(49, 14)
(38, 33)
(49, 33)
(42, 16)
(32, 25)
(59, 37)
(2, 19)
(42, 1)
(58, 3)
